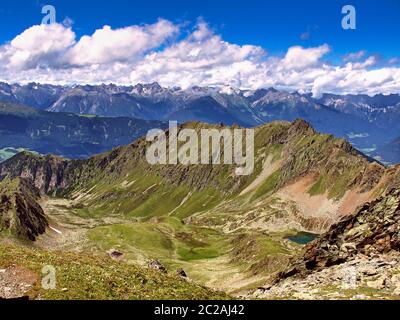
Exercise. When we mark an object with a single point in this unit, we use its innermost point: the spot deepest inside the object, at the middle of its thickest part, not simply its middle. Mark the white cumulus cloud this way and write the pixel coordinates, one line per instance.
(38, 45)
(159, 52)
(107, 45)
(299, 58)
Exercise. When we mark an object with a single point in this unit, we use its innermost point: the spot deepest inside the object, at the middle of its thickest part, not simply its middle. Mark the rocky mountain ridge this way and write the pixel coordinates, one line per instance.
(20, 214)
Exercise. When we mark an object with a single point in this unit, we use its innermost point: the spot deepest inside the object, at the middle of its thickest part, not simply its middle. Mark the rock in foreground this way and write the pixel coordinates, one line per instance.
(20, 214)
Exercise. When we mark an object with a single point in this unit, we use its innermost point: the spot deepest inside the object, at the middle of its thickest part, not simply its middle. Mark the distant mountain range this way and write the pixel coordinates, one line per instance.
(65, 134)
(369, 123)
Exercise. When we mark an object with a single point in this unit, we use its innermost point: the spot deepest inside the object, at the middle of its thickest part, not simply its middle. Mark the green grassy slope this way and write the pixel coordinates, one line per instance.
(80, 276)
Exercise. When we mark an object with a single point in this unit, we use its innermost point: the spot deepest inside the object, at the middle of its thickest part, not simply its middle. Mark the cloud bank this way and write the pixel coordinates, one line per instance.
(159, 53)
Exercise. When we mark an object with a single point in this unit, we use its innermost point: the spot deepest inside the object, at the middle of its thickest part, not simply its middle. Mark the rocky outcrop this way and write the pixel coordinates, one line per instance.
(373, 230)
(51, 174)
(157, 265)
(359, 279)
(46, 173)
(358, 258)
(20, 214)
(181, 273)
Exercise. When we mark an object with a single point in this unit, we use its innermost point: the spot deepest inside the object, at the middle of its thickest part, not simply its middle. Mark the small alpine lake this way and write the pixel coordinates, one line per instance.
(302, 237)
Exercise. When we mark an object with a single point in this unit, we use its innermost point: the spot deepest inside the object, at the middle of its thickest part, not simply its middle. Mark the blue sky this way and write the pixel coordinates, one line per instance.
(298, 45)
(274, 25)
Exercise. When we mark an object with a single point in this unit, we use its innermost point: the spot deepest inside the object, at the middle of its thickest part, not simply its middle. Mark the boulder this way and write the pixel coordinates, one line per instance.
(157, 265)
(115, 254)
(180, 272)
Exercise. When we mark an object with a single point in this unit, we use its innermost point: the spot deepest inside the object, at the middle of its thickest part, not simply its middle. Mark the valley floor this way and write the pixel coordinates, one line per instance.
(234, 263)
